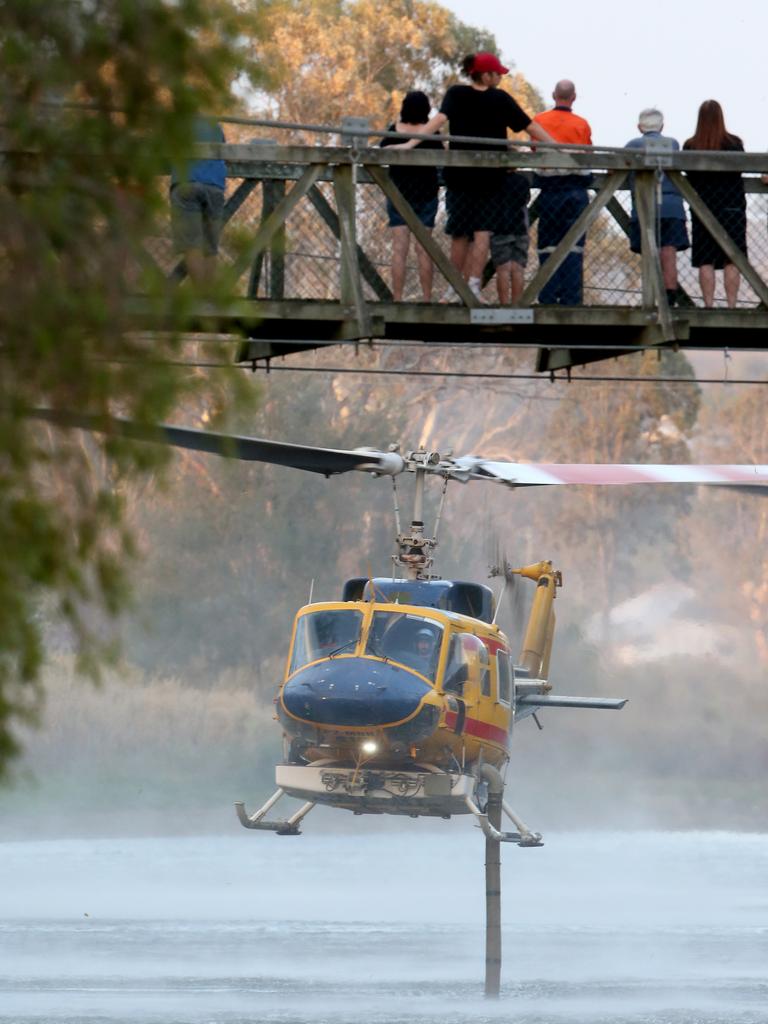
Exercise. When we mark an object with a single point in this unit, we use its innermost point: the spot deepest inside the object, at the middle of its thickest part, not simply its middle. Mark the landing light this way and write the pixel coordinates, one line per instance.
(369, 747)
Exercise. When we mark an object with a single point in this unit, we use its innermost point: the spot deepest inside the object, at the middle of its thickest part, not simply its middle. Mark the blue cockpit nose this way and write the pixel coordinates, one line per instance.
(353, 692)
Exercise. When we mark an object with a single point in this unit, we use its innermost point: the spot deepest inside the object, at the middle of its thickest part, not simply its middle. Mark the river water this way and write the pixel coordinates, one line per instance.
(383, 926)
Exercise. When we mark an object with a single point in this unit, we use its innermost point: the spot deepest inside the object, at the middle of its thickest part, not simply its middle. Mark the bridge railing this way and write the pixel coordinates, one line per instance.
(312, 223)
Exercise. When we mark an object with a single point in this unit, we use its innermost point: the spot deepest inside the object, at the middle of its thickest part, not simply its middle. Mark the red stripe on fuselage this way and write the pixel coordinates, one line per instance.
(481, 730)
(493, 645)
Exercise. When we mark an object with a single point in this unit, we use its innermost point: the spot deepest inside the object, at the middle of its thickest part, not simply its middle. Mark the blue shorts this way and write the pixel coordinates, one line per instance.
(672, 232)
(426, 212)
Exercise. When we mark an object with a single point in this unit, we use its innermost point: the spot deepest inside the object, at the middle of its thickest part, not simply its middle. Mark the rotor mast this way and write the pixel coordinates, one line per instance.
(415, 550)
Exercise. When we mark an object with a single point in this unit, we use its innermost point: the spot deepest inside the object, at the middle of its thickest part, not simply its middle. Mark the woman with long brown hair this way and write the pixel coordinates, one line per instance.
(723, 193)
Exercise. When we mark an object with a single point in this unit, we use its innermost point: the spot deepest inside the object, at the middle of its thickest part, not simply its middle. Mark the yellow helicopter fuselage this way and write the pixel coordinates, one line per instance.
(387, 685)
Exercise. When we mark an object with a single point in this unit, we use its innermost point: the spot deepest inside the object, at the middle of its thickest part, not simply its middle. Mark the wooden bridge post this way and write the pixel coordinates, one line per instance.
(654, 293)
(273, 192)
(644, 205)
(350, 283)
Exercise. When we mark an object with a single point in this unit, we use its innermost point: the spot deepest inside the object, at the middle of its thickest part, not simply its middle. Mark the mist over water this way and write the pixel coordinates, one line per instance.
(384, 926)
(383, 921)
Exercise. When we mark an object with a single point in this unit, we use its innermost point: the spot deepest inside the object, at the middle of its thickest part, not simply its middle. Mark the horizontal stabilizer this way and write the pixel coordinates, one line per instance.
(539, 700)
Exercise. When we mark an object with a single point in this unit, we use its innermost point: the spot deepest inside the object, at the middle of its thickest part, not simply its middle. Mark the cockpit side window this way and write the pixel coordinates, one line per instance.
(485, 670)
(324, 633)
(411, 640)
(457, 669)
(505, 677)
(466, 654)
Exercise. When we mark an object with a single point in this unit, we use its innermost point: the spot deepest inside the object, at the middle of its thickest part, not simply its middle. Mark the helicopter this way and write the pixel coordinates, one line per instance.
(401, 697)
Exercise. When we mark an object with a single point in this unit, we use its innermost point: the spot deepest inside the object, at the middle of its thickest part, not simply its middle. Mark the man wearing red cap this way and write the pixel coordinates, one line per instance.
(562, 198)
(475, 197)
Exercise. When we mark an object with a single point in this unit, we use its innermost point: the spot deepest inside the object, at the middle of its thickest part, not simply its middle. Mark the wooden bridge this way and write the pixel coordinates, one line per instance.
(313, 256)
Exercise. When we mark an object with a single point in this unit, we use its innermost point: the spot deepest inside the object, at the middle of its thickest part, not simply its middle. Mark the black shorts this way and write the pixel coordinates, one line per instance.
(705, 251)
(473, 211)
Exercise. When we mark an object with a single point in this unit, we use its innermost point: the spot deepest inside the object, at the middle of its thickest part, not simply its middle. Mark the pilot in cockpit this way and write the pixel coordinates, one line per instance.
(424, 654)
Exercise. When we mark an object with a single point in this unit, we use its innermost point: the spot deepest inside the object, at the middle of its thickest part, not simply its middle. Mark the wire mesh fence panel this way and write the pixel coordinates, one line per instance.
(611, 270)
(241, 227)
(313, 249)
(757, 243)
(522, 216)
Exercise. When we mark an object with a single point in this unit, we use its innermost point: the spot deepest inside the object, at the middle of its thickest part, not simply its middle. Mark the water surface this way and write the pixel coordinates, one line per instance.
(648, 928)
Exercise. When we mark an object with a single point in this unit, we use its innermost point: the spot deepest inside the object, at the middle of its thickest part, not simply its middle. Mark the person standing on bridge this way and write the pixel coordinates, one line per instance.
(197, 207)
(419, 185)
(723, 194)
(672, 234)
(509, 244)
(562, 199)
(476, 197)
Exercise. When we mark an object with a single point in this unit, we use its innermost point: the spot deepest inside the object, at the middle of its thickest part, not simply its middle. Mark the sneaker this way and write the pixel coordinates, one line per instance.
(476, 288)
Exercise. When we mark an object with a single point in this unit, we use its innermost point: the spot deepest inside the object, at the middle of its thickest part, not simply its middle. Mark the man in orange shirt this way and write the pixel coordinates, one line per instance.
(562, 198)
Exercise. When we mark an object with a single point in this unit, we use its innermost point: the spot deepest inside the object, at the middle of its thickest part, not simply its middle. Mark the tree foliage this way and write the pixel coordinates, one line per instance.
(332, 58)
(97, 103)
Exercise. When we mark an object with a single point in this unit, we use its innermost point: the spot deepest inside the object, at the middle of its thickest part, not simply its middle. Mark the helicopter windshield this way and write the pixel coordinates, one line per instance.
(412, 640)
(324, 633)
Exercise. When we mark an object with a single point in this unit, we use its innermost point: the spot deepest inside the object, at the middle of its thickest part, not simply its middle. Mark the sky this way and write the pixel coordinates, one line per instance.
(670, 54)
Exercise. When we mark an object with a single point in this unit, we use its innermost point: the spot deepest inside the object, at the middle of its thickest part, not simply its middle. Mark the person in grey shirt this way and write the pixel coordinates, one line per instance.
(671, 230)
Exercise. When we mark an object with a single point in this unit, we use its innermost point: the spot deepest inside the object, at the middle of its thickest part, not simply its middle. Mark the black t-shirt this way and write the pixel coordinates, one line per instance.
(417, 184)
(720, 190)
(484, 113)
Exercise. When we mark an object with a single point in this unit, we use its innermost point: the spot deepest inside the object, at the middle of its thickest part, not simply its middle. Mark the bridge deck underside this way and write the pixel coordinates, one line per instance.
(564, 336)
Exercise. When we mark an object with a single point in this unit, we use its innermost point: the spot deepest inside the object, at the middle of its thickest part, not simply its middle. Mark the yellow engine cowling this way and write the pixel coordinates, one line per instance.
(539, 634)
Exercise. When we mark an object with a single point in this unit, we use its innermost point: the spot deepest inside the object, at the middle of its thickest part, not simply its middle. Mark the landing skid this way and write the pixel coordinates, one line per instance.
(523, 836)
(283, 827)
(424, 792)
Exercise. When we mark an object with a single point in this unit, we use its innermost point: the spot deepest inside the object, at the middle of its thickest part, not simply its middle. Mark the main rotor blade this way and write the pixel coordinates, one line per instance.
(329, 461)
(253, 449)
(538, 474)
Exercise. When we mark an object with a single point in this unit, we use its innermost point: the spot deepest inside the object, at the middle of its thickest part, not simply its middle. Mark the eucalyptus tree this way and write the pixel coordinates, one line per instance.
(98, 101)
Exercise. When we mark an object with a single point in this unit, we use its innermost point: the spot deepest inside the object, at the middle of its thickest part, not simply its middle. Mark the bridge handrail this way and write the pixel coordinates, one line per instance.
(519, 152)
(544, 157)
(311, 260)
